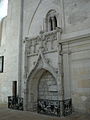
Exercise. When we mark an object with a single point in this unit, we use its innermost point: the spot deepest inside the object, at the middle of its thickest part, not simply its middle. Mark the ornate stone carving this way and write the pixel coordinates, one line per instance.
(46, 41)
(42, 62)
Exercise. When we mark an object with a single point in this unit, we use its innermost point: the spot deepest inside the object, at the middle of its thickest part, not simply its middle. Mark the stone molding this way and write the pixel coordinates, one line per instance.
(75, 36)
(42, 63)
(45, 40)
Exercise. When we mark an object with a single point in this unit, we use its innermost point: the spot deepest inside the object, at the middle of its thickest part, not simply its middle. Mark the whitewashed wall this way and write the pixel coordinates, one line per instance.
(10, 50)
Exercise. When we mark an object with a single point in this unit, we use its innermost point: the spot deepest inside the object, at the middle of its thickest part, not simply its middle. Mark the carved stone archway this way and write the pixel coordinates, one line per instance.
(32, 82)
(34, 89)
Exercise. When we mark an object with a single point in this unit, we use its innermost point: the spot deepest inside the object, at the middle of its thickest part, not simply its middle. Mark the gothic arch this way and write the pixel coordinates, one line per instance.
(42, 63)
(33, 89)
(41, 66)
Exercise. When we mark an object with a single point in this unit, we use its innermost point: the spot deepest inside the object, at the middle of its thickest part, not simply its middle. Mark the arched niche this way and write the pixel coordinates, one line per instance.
(42, 86)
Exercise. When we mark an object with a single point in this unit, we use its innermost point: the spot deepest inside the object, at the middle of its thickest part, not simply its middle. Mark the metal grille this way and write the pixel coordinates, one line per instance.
(52, 107)
(67, 107)
(15, 103)
(49, 107)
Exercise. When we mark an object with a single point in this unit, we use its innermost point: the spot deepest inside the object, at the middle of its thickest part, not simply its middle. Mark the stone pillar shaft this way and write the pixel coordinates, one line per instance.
(60, 71)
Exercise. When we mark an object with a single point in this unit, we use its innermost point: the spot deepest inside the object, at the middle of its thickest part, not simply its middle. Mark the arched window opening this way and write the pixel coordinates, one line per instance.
(51, 24)
(51, 20)
(55, 22)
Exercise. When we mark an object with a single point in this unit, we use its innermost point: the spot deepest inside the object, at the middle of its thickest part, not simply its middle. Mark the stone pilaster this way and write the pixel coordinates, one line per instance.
(60, 71)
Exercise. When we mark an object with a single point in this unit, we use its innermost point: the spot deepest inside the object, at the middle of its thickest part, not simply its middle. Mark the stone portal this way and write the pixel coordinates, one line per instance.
(48, 102)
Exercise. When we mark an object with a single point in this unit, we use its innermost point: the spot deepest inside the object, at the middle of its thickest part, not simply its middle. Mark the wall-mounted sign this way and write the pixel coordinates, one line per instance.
(1, 63)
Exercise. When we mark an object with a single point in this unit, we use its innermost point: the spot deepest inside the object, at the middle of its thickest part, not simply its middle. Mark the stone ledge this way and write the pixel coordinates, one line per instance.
(75, 35)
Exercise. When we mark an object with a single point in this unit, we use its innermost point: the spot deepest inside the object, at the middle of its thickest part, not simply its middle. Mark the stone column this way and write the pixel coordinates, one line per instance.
(49, 25)
(53, 24)
(60, 71)
(41, 41)
(25, 75)
(20, 55)
(25, 96)
(26, 66)
(61, 81)
(67, 78)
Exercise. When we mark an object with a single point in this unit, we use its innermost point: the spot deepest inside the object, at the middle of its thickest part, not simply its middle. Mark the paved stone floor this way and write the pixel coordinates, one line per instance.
(7, 114)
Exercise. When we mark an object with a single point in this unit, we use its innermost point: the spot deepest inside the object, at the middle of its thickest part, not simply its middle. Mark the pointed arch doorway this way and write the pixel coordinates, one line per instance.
(42, 92)
(48, 94)
(47, 87)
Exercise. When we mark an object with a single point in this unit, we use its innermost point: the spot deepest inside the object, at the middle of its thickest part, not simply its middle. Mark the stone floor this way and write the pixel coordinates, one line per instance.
(7, 114)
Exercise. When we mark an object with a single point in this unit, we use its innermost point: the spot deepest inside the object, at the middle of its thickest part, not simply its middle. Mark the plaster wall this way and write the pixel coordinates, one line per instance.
(35, 13)
(80, 76)
(3, 31)
(77, 74)
(76, 15)
(10, 50)
(3, 84)
(0, 29)
(73, 15)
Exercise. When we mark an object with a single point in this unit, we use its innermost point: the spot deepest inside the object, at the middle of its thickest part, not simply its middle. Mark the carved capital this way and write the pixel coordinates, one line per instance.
(59, 29)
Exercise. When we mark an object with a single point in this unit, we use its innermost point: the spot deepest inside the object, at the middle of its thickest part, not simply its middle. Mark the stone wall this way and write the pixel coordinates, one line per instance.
(77, 15)
(74, 19)
(48, 88)
(10, 50)
(76, 73)
(73, 16)
(34, 17)
(3, 88)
